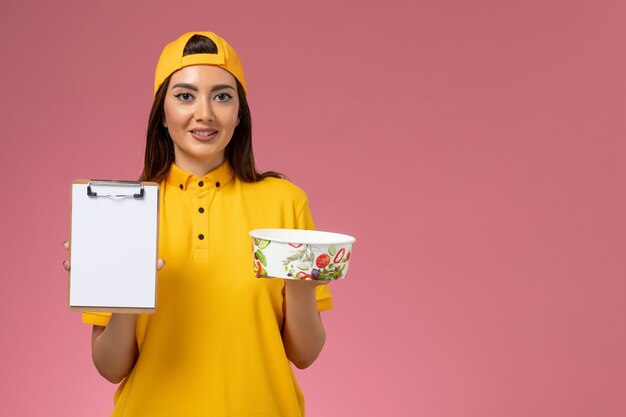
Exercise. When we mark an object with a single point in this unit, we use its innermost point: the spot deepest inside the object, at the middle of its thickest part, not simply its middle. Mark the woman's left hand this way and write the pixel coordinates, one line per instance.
(304, 283)
(303, 332)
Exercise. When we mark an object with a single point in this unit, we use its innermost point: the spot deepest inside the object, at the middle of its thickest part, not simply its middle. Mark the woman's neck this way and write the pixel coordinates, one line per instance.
(198, 168)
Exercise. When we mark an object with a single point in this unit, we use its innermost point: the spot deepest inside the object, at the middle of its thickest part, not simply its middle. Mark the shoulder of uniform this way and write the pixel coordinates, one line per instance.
(279, 187)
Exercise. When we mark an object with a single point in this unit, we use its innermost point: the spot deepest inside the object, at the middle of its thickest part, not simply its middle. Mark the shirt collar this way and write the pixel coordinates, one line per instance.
(217, 178)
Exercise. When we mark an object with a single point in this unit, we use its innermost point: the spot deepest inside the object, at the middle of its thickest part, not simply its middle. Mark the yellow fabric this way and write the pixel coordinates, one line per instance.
(214, 347)
(171, 59)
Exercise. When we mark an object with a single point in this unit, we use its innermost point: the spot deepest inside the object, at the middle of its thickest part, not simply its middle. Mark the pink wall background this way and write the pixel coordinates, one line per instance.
(475, 149)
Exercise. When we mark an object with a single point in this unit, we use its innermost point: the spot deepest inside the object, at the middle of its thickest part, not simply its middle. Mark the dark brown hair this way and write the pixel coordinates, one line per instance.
(160, 148)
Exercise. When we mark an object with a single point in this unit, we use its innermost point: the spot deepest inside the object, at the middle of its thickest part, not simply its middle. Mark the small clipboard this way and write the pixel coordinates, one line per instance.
(114, 246)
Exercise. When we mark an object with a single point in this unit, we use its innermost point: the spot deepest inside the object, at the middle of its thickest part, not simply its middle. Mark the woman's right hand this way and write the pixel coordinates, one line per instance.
(114, 348)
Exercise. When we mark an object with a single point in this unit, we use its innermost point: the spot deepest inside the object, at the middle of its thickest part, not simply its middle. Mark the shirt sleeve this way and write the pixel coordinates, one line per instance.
(96, 319)
(322, 293)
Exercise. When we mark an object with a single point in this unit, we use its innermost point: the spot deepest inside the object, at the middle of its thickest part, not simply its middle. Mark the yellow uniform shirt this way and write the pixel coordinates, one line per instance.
(214, 347)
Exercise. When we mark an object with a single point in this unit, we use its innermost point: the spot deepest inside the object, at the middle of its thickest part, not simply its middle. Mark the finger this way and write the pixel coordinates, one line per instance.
(317, 283)
(66, 265)
(160, 264)
(66, 245)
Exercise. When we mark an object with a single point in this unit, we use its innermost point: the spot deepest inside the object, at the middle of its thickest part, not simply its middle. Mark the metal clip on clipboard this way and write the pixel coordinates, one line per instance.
(96, 183)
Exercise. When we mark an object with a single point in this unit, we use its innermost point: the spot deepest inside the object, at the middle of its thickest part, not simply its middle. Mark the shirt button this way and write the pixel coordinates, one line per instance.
(201, 209)
(181, 186)
(217, 184)
(201, 236)
(201, 183)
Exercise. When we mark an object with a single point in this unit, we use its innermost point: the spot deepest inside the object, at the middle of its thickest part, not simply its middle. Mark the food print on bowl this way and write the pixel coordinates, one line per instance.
(301, 260)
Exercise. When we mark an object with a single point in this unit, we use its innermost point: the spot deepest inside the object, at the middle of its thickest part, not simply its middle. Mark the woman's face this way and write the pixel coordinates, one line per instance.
(201, 111)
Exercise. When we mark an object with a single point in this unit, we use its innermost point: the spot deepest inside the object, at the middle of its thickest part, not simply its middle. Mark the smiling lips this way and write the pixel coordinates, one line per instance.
(203, 134)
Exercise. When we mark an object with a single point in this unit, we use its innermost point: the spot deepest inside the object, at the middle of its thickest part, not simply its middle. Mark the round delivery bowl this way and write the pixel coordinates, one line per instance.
(301, 254)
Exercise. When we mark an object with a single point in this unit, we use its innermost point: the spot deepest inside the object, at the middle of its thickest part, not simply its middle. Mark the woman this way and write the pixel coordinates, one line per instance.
(221, 341)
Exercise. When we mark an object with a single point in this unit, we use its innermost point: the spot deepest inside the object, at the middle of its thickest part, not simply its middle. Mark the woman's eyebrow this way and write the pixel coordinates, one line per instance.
(185, 85)
(221, 87)
(192, 87)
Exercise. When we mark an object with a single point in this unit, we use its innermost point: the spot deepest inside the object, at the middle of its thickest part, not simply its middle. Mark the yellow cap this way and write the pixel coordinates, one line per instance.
(172, 59)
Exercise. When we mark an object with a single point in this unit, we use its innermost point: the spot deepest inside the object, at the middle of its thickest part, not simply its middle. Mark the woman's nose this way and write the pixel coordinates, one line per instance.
(204, 111)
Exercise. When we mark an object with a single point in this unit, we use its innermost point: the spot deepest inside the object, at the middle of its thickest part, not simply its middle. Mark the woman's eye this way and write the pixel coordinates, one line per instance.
(184, 96)
(223, 97)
